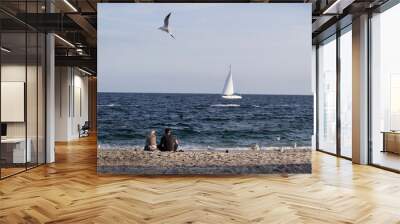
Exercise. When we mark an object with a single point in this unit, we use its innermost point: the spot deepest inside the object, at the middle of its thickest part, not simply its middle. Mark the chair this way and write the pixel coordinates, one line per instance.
(84, 130)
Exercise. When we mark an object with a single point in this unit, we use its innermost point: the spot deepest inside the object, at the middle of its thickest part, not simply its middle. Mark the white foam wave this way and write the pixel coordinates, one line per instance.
(198, 148)
(225, 105)
(107, 105)
(119, 147)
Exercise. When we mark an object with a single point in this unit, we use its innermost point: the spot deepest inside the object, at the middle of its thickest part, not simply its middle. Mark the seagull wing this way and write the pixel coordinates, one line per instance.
(166, 20)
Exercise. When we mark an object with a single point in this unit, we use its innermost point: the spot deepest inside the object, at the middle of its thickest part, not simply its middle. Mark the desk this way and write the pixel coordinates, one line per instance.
(391, 141)
(16, 147)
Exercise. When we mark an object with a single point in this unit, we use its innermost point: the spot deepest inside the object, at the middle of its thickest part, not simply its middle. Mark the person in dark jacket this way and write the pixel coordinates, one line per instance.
(168, 141)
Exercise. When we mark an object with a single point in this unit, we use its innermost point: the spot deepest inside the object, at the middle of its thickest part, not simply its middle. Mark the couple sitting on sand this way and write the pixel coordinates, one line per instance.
(168, 141)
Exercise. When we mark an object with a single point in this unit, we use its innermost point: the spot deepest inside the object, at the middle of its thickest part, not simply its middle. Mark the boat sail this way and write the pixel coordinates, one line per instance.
(229, 92)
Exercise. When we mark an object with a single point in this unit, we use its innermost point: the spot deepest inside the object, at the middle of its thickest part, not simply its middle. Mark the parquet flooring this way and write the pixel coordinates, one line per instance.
(70, 191)
(10, 171)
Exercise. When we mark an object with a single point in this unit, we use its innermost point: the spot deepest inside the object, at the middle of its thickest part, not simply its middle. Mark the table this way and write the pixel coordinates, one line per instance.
(15, 148)
(391, 141)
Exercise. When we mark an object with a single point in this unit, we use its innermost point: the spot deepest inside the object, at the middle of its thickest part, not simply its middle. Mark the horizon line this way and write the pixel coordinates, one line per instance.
(278, 94)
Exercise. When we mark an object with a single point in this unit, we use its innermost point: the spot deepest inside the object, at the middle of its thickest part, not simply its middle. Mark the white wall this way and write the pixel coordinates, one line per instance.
(12, 73)
(17, 73)
(71, 102)
(79, 103)
(33, 126)
(62, 82)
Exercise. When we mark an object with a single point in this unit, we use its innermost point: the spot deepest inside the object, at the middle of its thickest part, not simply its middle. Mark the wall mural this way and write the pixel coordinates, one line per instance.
(204, 88)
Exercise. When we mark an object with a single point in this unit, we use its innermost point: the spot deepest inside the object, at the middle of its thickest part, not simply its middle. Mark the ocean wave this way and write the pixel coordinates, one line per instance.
(197, 147)
(107, 105)
(225, 105)
(205, 119)
(118, 146)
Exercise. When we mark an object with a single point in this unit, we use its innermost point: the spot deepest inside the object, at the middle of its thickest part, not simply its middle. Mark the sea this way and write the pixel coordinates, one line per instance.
(205, 121)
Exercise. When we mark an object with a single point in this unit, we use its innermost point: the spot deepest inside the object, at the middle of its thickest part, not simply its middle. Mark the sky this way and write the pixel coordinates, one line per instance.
(268, 46)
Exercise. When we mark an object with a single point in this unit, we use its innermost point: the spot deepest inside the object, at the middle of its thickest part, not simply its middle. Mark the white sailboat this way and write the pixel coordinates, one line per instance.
(228, 92)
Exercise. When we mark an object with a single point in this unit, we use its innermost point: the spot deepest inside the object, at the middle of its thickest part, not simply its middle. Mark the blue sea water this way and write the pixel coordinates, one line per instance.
(203, 121)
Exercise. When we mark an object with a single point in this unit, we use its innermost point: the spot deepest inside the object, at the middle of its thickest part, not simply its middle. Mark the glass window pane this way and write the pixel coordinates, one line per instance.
(13, 86)
(31, 97)
(23, 89)
(31, 88)
(385, 92)
(327, 96)
(346, 94)
(41, 98)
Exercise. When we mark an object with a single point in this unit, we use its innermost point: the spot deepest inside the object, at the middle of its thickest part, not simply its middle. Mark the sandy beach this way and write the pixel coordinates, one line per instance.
(137, 161)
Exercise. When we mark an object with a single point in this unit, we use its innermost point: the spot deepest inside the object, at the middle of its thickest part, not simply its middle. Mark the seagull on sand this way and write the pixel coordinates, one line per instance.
(165, 27)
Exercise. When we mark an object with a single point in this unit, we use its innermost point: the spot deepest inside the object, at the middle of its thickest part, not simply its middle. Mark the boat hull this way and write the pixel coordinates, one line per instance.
(232, 97)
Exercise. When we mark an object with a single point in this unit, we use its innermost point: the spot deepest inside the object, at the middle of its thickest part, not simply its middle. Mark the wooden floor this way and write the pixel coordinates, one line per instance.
(5, 172)
(70, 191)
(386, 159)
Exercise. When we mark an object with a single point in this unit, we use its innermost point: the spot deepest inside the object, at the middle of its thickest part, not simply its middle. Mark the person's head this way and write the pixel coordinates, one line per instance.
(167, 131)
(153, 132)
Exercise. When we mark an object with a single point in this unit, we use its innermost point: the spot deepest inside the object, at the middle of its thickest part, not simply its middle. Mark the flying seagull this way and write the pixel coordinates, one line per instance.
(165, 27)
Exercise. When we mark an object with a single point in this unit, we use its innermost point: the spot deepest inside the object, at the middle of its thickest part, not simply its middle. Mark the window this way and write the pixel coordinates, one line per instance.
(327, 95)
(346, 93)
(22, 87)
(385, 89)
